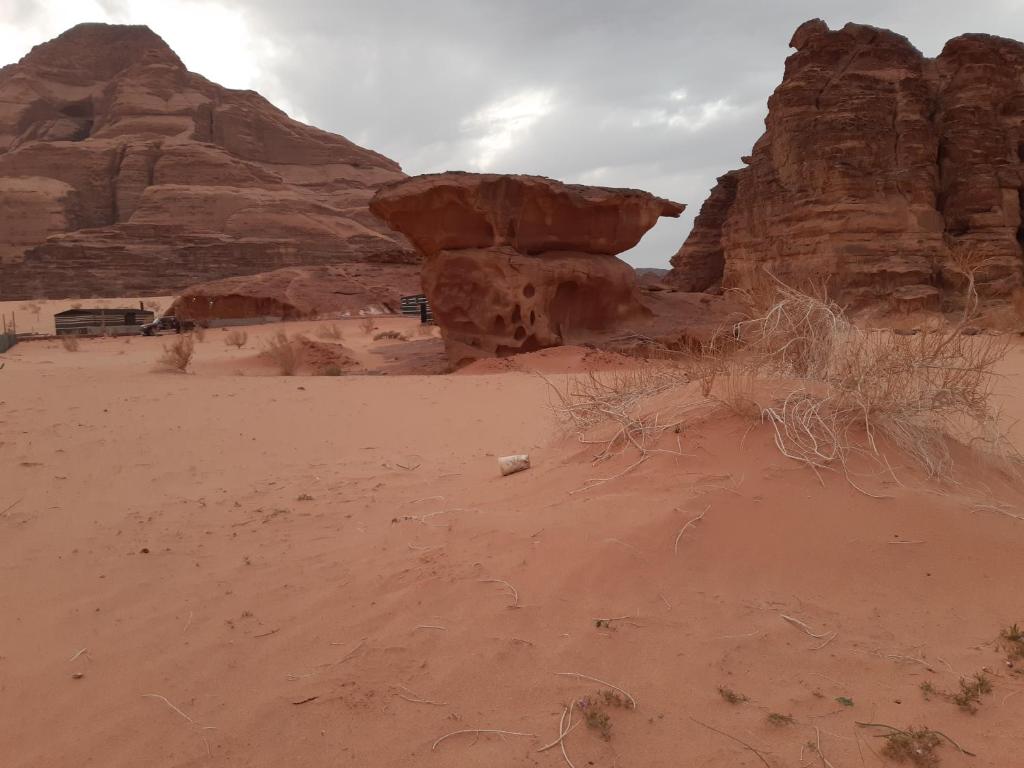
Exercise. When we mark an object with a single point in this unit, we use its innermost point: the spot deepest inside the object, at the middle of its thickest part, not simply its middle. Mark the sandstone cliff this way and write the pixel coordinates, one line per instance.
(880, 170)
(121, 172)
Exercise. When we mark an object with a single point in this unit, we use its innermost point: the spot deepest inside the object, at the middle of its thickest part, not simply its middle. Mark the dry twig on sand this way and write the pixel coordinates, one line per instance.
(760, 756)
(515, 594)
(829, 636)
(694, 521)
(477, 731)
(191, 722)
(578, 676)
(562, 732)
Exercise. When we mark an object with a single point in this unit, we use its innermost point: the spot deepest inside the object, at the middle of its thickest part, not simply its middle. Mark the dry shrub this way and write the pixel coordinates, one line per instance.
(852, 386)
(830, 391)
(177, 356)
(330, 331)
(286, 353)
(393, 335)
(426, 329)
(236, 338)
(367, 325)
(70, 343)
(622, 398)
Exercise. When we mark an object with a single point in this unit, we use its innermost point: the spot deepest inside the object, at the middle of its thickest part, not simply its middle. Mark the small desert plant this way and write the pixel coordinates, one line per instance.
(914, 745)
(732, 696)
(595, 710)
(395, 335)
(1012, 639)
(285, 353)
(177, 356)
(426, 329)
(330, 331)
(236, 338)
(969, 696)
(367, 325)
(330, 370)
(70, 343)
(778, 719)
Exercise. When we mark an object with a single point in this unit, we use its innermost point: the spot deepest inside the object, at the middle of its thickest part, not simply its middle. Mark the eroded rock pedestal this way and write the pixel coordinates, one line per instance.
(877, 170)
(519, 263)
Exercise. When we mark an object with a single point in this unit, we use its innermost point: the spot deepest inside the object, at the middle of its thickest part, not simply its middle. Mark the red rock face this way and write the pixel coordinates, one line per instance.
(877, 167)
(122, 171)
(519, 263)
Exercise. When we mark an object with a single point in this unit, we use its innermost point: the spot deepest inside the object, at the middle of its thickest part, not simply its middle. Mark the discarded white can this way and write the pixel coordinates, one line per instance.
(512, 464)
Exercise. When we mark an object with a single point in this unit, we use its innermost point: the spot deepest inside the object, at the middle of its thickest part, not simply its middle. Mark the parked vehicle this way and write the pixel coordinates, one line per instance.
(166, 323)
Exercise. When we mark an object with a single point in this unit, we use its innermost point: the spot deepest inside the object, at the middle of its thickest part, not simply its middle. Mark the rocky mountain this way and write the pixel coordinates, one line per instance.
(882, 171)
(122, 173)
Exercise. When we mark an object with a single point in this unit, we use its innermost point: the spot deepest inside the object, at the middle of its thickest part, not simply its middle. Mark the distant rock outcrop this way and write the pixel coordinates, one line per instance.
(519, 263)
(880, 170)
(297, 292)
(121, 173)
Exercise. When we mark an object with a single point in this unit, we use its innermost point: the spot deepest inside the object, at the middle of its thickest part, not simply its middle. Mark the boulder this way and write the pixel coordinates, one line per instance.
(121, 172)
(519, 263)
(881, 172)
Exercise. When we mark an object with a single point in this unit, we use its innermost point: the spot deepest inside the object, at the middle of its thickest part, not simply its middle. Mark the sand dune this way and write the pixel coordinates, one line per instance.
(266, 570)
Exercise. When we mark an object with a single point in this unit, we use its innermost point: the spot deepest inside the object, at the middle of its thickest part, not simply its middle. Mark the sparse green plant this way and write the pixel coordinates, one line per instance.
(304, 497)
(846, 701)
(70, 343)
(732, 696)
(330, 370)
(177, 356)
(236, 338)
(330, 331)
(928, 690)
(367, 325)
(286, 353)
(778, 719)
(914, 745)
(1012, 639)
(971, 690)
(594, 710)
(394, 335)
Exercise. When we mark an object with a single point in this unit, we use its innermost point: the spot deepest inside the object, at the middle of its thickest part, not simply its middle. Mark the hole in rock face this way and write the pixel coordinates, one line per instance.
(517, 314)
(529, 290)
(498, 326)
(533, 317)
(520, 333)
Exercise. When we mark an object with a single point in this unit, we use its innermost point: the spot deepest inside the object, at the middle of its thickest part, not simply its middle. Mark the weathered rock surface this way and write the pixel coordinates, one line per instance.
(879, 168)
(296, 292)
(121, 171)
(519, 263)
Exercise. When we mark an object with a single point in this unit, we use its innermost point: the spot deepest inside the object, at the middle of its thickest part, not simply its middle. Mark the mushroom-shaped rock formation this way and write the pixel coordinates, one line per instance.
(519, 263)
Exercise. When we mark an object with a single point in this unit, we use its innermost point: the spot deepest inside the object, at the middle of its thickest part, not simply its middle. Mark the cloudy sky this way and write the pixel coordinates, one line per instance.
(663, 95)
